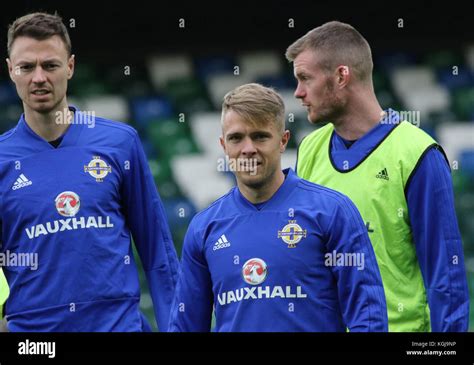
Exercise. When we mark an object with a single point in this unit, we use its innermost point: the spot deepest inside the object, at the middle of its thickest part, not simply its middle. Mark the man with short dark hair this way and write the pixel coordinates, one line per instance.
(396, 174)
(75, 188)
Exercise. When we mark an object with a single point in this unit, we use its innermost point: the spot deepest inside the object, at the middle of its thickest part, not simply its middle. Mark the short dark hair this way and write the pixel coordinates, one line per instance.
(39, 26)
(336, 44)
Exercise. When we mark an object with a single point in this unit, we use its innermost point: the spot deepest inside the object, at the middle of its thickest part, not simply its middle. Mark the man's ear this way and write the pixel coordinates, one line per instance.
(222, 142)
(284, 140)
(343, 75)
(70, 65)
(10, 69)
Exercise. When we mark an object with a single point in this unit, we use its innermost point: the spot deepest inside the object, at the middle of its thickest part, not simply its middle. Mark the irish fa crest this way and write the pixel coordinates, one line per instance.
(292, 233)
(98, 168)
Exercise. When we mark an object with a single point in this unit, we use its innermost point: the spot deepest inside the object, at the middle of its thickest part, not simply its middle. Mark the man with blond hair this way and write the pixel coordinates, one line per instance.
(276, 253)
(396, 174)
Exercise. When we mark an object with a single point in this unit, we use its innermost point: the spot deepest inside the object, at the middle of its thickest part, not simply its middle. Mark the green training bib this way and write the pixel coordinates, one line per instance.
(377, 186)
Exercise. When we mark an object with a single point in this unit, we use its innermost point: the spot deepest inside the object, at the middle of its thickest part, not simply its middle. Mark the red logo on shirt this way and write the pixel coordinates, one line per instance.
(67, 203)
(254, 271)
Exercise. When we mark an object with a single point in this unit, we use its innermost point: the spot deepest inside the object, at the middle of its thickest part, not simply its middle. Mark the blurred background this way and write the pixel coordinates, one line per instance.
(165, 69)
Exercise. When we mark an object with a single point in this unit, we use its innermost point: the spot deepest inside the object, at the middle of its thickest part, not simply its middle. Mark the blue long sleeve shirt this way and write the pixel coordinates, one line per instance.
(301, 261)
(76, 207)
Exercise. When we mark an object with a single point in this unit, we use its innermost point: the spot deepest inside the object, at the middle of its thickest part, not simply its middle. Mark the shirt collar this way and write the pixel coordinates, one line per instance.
(391, 118)
(69, 137)
(282, 193)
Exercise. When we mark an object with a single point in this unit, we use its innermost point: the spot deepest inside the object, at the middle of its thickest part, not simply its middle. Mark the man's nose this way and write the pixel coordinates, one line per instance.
(299, 92)
(39, 76)
(248, 148)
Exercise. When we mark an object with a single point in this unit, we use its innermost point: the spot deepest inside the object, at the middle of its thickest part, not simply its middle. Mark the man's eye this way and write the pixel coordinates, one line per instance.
(50, 66)
(26, 67)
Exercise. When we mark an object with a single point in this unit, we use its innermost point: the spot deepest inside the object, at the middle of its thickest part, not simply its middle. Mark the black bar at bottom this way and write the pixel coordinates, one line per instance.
(34, 347)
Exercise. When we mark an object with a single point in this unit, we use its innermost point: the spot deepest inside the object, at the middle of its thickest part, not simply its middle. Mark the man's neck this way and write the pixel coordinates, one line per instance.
(50, 126)
(263, 193)
(359, 118)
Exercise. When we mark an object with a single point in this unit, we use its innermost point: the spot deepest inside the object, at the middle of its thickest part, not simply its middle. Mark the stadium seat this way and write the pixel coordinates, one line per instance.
(416, 87)
(406, 79)
(207, 66)
(463, 78)
(146, 109)
(456, 137)
(129, 80)
(169, 189)
(258, 64)
(87, 83)
(8, 93)
(221, 84)
(165, 68)
(198, 178)
(206, 128)
(164, 128)
(463, 103)
(148, 147)
(9, 115)
(188, 95)
(161, 170)
(427, 100)
(107, 106)
(466, 162)
(179, 211)
(278, 82)
(387, 62)
(170, 137)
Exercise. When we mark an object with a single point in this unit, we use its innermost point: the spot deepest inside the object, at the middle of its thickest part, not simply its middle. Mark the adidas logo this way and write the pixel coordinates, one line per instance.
(221, 243)
(21, 182)
(383, 174)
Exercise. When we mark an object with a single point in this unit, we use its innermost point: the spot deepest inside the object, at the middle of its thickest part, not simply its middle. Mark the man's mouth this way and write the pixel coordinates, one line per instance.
(254, 167)
(250, 165)
(40, 92)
